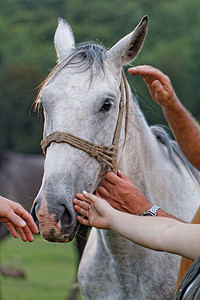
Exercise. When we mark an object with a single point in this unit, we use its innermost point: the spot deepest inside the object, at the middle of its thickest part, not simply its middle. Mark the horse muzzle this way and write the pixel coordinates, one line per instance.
(58, 226)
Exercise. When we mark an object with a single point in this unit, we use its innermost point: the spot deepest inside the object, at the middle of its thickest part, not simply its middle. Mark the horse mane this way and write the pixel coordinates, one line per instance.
(173, 150)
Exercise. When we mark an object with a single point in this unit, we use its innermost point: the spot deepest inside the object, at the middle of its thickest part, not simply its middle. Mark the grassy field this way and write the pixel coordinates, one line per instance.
(50, 270)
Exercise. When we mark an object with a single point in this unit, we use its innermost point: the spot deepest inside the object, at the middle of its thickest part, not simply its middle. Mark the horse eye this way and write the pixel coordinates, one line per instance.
(107, 105)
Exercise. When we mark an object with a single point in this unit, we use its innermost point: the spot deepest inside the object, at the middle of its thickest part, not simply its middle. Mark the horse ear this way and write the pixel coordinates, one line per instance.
(64, 39)
(124, 51)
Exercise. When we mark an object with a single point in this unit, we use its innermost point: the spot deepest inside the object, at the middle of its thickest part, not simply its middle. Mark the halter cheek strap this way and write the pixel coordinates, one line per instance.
(106, 154)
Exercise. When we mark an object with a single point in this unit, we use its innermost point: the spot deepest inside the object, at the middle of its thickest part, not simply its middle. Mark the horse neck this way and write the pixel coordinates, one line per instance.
(139, 147)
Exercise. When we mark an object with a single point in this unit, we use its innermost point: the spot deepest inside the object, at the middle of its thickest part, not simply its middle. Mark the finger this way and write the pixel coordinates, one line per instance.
(116, 179)
(149, 71)
(82, 198)
(103, 192)
(107, 185)
(142, 69)
(81, 210)
(156, 85)
(34, 228)
(16, 220)
(22, 233)
(112, 178)
(27, 233)
(31, 226)
(119, 173)
(11, 229)
(29, 221)
(21, 218)
(124, 177)
(97, 194)
(83, 221)
(133, 71)
(91, 197)
(81, 204)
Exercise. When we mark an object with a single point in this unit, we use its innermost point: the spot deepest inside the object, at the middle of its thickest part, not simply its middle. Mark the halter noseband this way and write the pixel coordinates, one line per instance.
(106, 154)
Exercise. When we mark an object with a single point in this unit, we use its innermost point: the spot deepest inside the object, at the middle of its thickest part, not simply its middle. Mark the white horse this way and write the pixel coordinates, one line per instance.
(82, 101)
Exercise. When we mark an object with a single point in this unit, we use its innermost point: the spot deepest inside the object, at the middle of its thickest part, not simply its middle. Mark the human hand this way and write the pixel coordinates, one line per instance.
(97, 211)
(16, 218)
(158, 83)
(122, 194)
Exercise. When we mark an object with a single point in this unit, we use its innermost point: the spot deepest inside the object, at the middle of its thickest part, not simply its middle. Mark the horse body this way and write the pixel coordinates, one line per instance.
(82, 97)
(124, 270)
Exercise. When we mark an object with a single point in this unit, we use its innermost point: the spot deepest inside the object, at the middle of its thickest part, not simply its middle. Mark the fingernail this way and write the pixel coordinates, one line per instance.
(84, 192)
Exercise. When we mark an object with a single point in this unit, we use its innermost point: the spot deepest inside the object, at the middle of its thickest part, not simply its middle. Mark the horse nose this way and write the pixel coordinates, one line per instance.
(61, 214)
(56, 223)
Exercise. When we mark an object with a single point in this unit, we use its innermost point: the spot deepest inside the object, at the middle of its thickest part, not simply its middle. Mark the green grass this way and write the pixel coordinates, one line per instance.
(50, 269)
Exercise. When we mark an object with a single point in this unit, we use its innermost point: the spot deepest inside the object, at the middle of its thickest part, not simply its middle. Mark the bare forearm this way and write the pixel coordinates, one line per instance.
(186, 131)
(161, 234)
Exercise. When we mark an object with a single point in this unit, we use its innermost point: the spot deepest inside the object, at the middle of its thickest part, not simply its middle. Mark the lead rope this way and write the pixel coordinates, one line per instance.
(106, 154)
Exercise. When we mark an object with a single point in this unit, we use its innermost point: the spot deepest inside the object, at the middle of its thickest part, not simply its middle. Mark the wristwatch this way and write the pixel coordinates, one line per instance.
(151, 211)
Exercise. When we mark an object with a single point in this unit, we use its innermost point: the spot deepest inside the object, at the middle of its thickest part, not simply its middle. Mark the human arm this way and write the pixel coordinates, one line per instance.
(122, 194)
(16, 218)
(185, 128)
(161, 234)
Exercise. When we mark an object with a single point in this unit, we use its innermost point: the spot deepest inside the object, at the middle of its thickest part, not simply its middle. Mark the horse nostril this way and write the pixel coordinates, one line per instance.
(66, 219)
(33, 214)
(52, 231)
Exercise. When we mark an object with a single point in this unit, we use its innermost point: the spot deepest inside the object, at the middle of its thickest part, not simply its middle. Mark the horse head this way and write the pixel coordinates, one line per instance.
(81, 100)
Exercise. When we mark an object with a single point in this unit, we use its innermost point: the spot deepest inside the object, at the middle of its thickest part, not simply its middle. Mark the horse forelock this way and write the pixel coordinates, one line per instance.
(83, 57)
(174, 150)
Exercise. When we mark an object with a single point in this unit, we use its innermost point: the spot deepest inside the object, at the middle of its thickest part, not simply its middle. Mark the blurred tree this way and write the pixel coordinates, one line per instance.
(27, 54)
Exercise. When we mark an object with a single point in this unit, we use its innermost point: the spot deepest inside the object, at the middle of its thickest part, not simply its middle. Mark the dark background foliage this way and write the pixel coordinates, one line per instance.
(27, 53)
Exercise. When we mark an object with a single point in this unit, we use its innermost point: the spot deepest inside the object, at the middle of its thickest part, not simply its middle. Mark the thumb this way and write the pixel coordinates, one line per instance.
(16, 220)
(157, 86)
(119, 173)
(122, 176)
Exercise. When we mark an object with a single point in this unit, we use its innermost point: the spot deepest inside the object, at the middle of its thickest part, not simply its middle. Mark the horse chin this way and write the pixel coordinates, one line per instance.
(57, 238)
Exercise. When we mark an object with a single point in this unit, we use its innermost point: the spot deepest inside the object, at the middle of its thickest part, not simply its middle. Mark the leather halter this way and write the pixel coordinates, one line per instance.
(106, 154)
